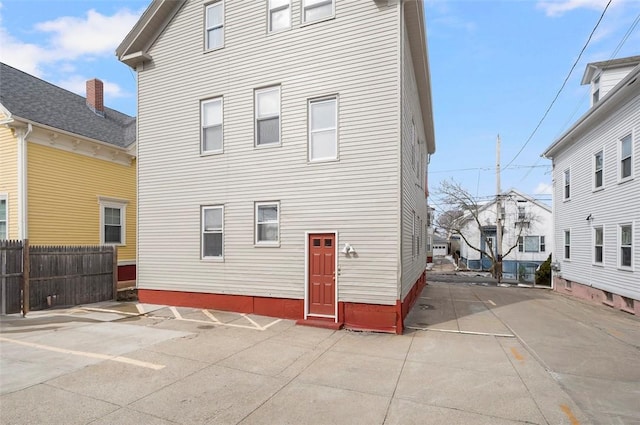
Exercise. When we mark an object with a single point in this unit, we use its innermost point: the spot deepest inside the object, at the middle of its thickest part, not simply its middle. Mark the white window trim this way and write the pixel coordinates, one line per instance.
(594, 187)
(276, 9)
(324, 18)
(564, 245)
(5, 197)
(275, 243)
(564, 185)
(619, 167)
(619, 246)
(207, 28)
(335, 99)
(203, 208)
(593, 247)
(106, 202)
(255, 116)
(202, 103)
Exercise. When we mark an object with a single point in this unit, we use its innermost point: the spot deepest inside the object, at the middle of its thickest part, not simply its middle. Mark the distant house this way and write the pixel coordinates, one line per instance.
(440, 246)
(282, 157)
(526, 226)
(67, 167)
(596, 178)
(430, 232)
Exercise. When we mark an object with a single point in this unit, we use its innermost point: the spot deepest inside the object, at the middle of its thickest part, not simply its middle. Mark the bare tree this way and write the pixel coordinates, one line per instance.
(459, 208)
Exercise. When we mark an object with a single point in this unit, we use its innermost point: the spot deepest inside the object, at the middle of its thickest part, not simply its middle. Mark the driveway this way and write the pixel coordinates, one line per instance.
(472, 355)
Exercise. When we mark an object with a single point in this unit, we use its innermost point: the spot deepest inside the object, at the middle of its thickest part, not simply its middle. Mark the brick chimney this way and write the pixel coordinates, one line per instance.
(95, 96)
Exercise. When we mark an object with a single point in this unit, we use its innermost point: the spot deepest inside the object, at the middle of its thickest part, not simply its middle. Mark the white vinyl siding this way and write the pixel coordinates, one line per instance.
(212, 127)
(4, 216)
(333, 196)
(212, 232)
(267, 116)
(214, 25)
(315, 10)
(267, 223)
(278, 15)
(323, 129)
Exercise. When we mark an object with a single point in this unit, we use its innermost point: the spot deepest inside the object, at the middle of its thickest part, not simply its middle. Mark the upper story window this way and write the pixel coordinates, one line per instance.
(567, 184)
(314, 10)
(323, 129)
(521, 212)
(626, 159)
(267, 116)
(279, 15)
(595, 91)
(598, 163)
(214, 25)
(211, 125)
(112, 221)
(626, 244)
(4, 229)
(267, 223)
(212, 232)
(413, 145)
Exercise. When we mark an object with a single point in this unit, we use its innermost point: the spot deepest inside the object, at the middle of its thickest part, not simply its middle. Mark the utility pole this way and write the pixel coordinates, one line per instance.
(498, 252)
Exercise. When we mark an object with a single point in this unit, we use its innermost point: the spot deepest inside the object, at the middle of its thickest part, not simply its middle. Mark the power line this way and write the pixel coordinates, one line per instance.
(487, 168)
(535, 130)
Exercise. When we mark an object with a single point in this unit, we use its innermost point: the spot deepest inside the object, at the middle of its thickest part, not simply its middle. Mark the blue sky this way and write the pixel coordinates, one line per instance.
(495, 68)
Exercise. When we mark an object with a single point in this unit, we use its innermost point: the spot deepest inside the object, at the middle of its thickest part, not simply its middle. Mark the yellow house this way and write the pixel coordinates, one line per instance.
(67, 167)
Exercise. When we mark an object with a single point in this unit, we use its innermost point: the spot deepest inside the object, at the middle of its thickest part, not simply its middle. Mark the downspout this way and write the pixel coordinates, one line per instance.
(22, 134)
(400, 159)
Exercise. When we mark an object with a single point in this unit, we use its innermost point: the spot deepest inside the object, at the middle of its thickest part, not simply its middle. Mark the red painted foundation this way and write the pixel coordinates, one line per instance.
(595, 295)
(357, 316)
(127, 272)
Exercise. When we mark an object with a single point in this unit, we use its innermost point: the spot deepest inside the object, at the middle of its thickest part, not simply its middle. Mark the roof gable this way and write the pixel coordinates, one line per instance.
(32, 99)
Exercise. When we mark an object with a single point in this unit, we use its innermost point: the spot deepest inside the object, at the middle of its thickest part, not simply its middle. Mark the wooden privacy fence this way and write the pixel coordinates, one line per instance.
(39, 277)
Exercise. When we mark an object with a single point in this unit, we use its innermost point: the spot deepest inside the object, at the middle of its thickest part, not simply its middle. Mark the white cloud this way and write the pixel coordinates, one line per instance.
(543, 189)
(559, 7)
(77, 84)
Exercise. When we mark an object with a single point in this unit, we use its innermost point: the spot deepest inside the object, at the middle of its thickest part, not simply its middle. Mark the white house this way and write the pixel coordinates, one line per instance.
(596, 178)
(527, 238)
(282, 157)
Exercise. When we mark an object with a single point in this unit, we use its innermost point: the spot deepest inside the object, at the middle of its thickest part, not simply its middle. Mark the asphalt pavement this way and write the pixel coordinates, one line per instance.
(472, 354)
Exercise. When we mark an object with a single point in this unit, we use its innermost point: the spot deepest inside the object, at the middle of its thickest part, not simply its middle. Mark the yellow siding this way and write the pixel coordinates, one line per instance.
(9, 177)
(63, 191)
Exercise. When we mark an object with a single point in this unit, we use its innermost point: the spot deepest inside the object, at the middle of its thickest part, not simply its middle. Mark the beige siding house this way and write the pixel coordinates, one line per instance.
(282, 157)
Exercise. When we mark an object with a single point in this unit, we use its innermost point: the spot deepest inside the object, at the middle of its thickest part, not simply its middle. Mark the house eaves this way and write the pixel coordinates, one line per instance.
(593, 67)
(134, 49)
(626, 89)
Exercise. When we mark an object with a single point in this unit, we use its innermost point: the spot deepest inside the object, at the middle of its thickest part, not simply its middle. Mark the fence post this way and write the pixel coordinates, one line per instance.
(115, 273)
(25, 277)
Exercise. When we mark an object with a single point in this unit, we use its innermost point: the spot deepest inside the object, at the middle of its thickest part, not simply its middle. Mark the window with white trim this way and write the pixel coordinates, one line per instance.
(211, 117)
(598, 165)
(214, 25)
(323, 129)
(413, 233)
(626, 245)
(413, 145)
(531, 244)
(267, 223)
(4, 217)
(595, 91)
(626, 158)
(212, 221)
(112, 221)
(278, 15)
(567, 244)
(267, 116)
(567, 184)
(314, 10)
(598, 241)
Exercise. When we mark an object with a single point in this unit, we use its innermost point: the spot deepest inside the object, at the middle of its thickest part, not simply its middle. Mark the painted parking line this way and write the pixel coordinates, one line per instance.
(214, 320)
(99, 356)
(491, 302)
(452, 331)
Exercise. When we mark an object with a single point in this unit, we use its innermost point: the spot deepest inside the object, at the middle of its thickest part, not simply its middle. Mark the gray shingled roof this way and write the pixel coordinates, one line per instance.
(33, 99)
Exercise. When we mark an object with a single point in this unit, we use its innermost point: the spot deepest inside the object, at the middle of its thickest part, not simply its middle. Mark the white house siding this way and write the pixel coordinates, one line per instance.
(356, 196)
(610, 77)
(413, 192)
(615, 204)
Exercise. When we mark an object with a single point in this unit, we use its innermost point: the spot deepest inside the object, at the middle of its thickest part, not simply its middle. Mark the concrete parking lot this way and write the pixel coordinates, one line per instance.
(473, 354)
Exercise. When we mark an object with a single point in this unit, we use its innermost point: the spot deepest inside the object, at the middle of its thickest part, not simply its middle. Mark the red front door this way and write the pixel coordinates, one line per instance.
(322, 276)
